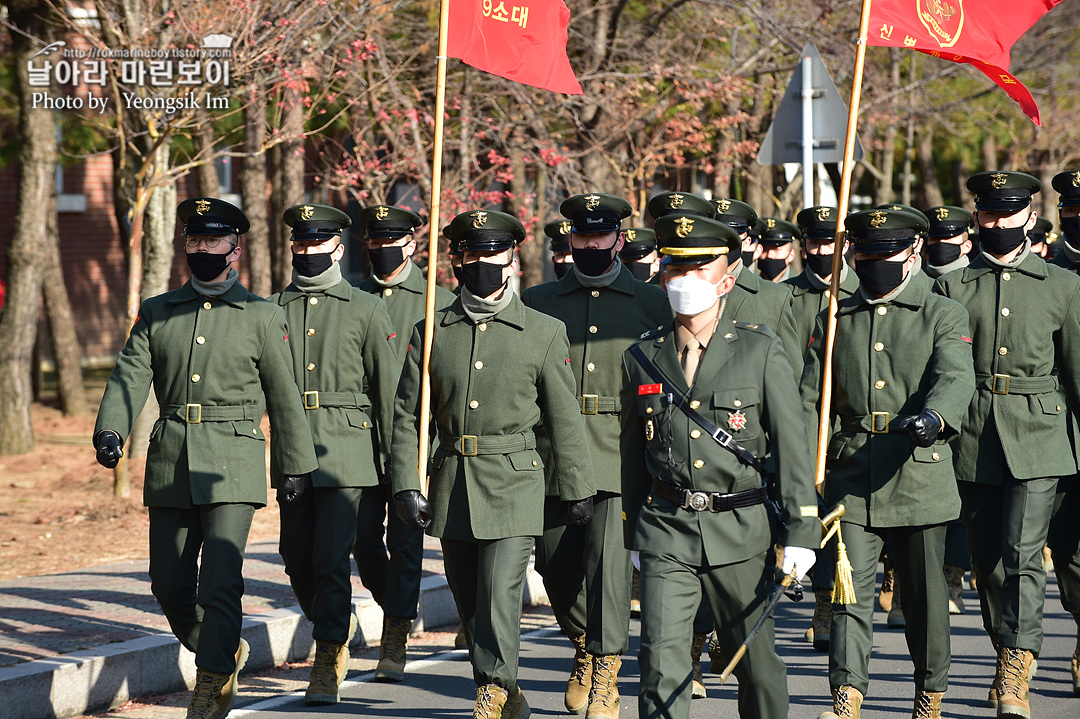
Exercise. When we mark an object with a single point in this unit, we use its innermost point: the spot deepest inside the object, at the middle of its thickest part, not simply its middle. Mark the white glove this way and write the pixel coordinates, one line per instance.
(799, 558)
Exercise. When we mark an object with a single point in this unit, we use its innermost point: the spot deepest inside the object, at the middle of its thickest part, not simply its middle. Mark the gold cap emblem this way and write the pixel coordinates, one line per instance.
(942, 214)
(479, 219)
(823, 213)
(675, 201)
(631, 235)
(202, 206)
(381, 213)
(307, 212)
(770, 223)
(723, 205)
(877, 219)
(564, 227)
(1076, 178)
(683, 226)
(592, 202)
(997, 180)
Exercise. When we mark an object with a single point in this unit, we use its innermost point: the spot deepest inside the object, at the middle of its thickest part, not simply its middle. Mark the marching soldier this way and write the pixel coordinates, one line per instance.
(777, 249)
(948, 241)
(586, 572)
(344, 362)
(218, 358)
(562, 258)
(897, 404)
(694, 510)
(1025, 321)
(640, 256)
(395, 584)
(498, 369)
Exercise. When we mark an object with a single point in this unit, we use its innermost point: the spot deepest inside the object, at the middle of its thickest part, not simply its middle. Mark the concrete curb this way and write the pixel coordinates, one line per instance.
(105, 677)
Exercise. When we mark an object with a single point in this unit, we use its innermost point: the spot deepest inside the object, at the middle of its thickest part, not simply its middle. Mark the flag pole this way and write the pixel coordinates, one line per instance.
(824, 426)
(433, 248)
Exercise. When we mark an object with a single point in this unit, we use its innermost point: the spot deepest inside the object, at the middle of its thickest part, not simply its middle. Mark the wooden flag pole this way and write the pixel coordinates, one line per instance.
(824, 426)
(433, 249)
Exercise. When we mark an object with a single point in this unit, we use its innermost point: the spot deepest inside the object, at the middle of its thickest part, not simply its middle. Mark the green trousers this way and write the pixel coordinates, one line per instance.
(1063, 539)
(917, 554)
(670, 594)
(586, 572)
(394, 581)
(956, 545)
(1007, 526)
(487, 579)
(202, 595)
(317, 534)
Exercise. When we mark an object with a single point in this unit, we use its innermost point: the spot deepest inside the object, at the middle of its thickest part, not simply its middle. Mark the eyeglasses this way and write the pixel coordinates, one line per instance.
(210, 242)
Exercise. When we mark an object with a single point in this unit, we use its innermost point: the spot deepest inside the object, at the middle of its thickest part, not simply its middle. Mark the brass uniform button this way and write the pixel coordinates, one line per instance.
(1006, 276)
(694, 404)
(313, 301)
(255, 432)
(479, 365)
(695, 433)
(206, 305)
(195, 378)
(387, 292)
(878, 347)
(311, 366)
(698, 464)
(200, 340)
(590, 366)
(737, 403)
(880, 384)
(881, 310)
(592, 329)
(482, 327)
(1004, 311)
(596, 293)
(936, 456)
(648, 410)
(1003, 351)
(311, 331)
(534, 462)
(474, 404)
(827, 294)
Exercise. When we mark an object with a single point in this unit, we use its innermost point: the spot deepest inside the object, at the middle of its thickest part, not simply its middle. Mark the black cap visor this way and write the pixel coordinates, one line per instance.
(487, 241)
(208, 227)
(590, 223)
(1003, 201)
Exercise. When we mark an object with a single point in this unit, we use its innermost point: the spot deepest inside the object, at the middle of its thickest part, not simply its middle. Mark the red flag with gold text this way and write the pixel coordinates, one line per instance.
(521, 40)
(977, 32)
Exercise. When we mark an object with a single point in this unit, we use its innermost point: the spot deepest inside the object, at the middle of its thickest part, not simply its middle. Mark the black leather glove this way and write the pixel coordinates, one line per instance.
(924, 427)
(579, 512)
(292, 487)
(413, 508)
(109, 448)
(384, 476)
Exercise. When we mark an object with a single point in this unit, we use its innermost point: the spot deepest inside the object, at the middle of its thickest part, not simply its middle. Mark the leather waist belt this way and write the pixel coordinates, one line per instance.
(199, 413)
(470, 445)
(595, 404)
(712, 501)
(347, 400)
(1006, 384)
(874, 423)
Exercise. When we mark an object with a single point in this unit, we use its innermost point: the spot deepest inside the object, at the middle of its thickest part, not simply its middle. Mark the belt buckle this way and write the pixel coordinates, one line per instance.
(464, 445)
(696, 501)
(198, 413)
(874, 427)
(590, 404)
(995, 384)
(311, 404)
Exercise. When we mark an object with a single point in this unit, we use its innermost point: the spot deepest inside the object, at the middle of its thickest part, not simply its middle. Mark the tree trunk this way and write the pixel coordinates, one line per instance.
(530, 252)
(884, 186)
(204, 149)
(253, 189)
(65, 343)
(289, 183)
(26, 255)
(929, 188)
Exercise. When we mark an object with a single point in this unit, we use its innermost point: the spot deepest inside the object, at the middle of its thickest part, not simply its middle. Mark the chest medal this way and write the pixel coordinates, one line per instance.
(736, 421)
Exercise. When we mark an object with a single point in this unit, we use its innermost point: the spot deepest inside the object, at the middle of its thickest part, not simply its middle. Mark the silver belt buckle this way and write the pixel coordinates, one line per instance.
(697, 501)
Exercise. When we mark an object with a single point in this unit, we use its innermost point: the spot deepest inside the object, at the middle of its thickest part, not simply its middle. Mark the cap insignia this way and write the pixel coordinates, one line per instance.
(202, 206)
(683, 226)
(307, 212)
(1076, 178)
(564, 227)
(675, 201)
(997, 180)
(381, 213)
(942, 214)
(592, 202)
(770, 223)
(479, 219)
(877, 219)
(723, 205)
(823, 213)
(631, 235)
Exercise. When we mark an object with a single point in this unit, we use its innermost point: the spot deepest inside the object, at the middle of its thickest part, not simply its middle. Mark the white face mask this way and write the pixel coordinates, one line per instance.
(691, 295)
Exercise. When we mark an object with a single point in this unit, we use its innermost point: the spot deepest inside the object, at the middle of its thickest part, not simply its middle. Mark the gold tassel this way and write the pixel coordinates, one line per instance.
(843, 588)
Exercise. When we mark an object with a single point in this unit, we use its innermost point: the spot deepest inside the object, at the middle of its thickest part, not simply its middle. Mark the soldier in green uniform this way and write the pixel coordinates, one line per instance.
(218, 358)
(694, 510)
(1025, 320)
(640, 256)
(344, 361)
(454, 250)
(1038, 236)
(897, 404)
(585, 569)
(777, 249)
(498, 370)
(395, 584)
(562, 259)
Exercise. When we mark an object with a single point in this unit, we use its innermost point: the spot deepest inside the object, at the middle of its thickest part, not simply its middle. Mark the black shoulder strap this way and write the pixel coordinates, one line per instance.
(722, 437)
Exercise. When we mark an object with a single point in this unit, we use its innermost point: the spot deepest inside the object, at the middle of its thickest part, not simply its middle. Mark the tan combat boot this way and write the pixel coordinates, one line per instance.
(395, 635)
(490, 700)
(954, 580)
(696, 645)
(214, 692)
(1014, 671)
(821, 625)
(516, 707)
(888, 585)
(604, 697)
(896, 620)
(329, 669)
(579, 684)
(847, 703)
(927, 705)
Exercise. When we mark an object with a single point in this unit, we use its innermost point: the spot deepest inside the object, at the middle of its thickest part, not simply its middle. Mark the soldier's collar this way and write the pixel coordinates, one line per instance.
(513, 314)
(624, 283)
(1033, 266)
(342, 291)
(913, 295)
(234, 296)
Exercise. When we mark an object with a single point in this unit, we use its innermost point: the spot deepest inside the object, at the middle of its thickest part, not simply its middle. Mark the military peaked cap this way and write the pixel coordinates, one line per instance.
(739, 216)
(212, 217)
(680, 203)
(1041, 231)
(778, 232)
(948, 221)
(880, 231)
(640, 241)
(1003, 191)
(315, 223)
(818, 222)
(1067, 184)
(595, 212)
(387, 222)
(694, 240)
(486, 231)
(559, 232)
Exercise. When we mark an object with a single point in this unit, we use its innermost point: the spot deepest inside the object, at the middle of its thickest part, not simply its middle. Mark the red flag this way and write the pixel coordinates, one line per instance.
(977, 32)
(521, 40)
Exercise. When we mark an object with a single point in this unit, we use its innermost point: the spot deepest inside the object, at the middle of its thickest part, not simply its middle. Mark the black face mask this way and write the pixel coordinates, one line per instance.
(747, 258)
(1002, 240)
(879, 277)
(641, 270)
(384, 260)
(314, 264)
(562, 268)
(771, 268)
(457, 274)
(1071, 227)
(820, 265)
(206, 265)
(939, 254)
(593, 262)
(483, 279)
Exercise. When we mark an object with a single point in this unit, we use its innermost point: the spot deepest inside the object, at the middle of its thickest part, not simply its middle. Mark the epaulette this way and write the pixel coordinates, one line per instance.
(651, 333)
(746, 326)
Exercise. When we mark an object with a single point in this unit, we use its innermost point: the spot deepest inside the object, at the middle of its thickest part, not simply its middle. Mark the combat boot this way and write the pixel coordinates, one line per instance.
(821, 625)
(395, 635)
(1076, 661)
(717, 663)
(696, 645)
(516, 707)
(329, 669)
(214, 692)
(927, 705)
(896, 620)
(490, 700)
(604, 697)
(847, 703)
(888, 585)
(1014, 669)
(579, 684)
(954, 580)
